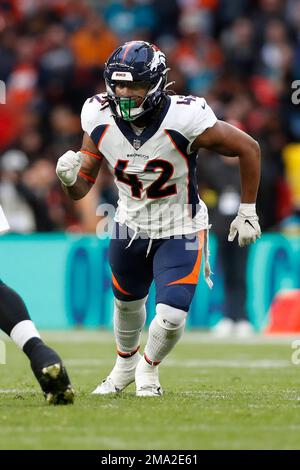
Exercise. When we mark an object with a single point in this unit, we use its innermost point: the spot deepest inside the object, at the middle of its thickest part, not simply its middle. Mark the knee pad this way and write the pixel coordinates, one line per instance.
(170, 318)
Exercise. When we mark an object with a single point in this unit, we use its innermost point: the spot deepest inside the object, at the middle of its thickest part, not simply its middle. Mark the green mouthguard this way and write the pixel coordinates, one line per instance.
(126, 104)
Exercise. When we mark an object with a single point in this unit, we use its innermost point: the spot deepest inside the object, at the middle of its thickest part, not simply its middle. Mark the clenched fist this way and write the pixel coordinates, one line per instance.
(245, 225)
(68, 166)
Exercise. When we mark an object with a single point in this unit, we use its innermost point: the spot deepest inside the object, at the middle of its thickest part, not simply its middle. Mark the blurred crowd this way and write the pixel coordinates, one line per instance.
(241, 55)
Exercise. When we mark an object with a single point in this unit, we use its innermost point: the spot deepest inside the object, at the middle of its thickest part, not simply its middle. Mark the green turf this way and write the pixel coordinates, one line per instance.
(217, 396)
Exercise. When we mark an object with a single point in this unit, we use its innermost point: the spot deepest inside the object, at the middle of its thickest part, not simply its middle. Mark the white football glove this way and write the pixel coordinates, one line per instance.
(68, 166)
(246, 225)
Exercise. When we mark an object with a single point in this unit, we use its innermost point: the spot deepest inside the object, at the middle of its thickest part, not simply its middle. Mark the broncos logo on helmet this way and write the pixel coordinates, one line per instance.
(158, 58)
(136, 61)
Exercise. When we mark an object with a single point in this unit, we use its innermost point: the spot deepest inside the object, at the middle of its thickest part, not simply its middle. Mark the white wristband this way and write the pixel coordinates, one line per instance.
(247, 210)
(246, 206)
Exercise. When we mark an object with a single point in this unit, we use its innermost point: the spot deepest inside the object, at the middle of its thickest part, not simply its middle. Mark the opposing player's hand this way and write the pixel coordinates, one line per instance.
(67, 167)
(246, 225)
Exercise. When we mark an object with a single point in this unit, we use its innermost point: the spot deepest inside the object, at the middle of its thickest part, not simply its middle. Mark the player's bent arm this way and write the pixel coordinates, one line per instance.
(78, 171)
(229, 141)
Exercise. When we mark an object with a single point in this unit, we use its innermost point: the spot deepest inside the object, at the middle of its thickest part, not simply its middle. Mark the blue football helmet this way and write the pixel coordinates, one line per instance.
(142, 63)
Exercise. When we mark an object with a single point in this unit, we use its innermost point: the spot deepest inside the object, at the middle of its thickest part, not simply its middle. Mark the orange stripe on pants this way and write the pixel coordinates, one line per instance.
(117, 286)
(192, 278)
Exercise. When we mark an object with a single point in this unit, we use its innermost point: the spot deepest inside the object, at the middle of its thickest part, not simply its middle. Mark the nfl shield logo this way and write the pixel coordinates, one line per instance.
(136, 144)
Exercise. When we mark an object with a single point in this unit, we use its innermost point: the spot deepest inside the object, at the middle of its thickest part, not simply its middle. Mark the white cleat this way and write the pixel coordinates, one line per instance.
(122, 375)
(147, 380)
(223, 329)
(106, 387)
(149, 391)
(244, 329)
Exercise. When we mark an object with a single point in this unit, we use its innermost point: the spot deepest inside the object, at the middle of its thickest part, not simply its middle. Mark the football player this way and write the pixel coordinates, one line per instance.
(46, 364)
(151, 139)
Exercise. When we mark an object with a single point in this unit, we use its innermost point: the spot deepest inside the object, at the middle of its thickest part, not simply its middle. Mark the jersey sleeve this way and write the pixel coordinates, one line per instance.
(202, 117)
(193, 116)
(91, 113)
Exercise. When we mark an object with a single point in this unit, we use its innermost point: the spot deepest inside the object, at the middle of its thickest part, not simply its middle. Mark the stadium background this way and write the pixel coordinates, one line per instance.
(243, 56)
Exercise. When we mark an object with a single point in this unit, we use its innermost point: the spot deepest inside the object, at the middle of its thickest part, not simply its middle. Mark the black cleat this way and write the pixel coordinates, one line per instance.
(50, 372)
(56, 385)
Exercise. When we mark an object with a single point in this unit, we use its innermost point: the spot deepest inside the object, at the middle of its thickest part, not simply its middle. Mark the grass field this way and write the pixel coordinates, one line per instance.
(218, 395)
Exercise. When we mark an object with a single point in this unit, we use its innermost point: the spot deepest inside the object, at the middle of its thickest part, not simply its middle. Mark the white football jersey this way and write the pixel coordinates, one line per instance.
(155, 170)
